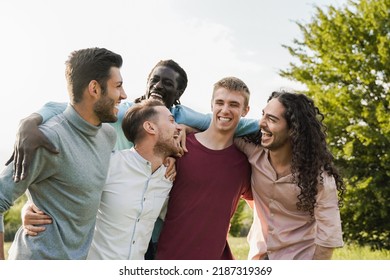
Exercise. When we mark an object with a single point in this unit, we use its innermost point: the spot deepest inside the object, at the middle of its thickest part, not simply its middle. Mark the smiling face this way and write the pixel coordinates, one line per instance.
(273, 125)
(163, 85)
(105, 107)
(228, 107)
(168, 133)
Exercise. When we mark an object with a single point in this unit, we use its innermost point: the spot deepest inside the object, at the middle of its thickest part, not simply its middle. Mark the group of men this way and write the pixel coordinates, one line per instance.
(95, 197)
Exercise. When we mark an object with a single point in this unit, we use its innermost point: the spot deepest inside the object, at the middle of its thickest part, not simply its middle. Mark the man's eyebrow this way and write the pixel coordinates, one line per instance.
(271, 116)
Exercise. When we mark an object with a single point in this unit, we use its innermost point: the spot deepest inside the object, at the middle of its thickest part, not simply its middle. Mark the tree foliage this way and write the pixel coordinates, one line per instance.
(241, 221)
(344, 61)
(12, 219)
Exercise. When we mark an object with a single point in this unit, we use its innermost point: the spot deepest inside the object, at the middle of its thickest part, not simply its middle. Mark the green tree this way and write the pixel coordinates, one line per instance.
(12, 219)
(343, 58)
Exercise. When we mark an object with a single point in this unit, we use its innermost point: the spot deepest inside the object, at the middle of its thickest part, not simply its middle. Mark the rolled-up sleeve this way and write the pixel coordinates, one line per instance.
(327, 215)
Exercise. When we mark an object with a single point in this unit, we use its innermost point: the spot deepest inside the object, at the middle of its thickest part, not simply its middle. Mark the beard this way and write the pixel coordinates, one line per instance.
(166, 147)
(104, 110)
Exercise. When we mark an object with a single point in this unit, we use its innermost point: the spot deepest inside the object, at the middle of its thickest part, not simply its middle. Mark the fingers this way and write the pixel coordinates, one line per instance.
(36, 210)
(37, 220)
(31, 219)
(183, 143)
(27, 158)
(180, 152)
(29, 139)
(10, 159)
(49, 146)
(170, 172)
(33, 216)
(172, 176)
(33, 230)
(17, 164)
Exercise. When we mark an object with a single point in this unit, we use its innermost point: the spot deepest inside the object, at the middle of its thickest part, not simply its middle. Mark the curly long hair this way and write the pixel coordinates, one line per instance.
(310, 154)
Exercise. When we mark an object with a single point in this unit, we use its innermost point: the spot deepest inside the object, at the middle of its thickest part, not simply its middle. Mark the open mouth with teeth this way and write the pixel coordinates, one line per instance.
(224, 119)
(266, 133)
(175, 136)
(156, 95)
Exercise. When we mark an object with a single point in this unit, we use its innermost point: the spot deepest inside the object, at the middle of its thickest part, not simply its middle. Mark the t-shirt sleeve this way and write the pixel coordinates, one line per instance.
(247, 190)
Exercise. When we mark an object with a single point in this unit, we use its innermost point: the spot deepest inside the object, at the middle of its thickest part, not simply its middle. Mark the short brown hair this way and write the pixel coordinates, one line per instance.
(135, 117)
(233, 84)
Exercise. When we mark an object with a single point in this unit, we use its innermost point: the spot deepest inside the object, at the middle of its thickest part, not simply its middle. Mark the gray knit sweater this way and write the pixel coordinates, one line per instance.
(66, 186)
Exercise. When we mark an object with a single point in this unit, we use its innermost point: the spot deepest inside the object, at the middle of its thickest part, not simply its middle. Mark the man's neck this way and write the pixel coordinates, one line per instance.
(147, 152)
(86, 112)
(215, 139)
(281, 161)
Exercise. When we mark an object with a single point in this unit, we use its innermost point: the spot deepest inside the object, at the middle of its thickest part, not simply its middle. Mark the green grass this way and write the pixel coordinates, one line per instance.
(6, 247)
(240, 248)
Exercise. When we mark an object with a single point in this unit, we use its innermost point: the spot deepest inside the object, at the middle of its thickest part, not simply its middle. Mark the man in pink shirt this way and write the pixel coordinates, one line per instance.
(296, 188)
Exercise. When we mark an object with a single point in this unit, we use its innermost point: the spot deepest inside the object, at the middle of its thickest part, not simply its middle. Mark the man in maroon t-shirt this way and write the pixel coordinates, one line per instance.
(210, 180)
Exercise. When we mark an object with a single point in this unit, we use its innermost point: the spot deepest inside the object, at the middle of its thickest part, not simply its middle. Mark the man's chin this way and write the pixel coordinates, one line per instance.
(111, 119)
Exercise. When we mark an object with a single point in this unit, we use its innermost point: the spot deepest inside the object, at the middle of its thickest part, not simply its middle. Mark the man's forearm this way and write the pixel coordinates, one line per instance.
(2, 255)
(322, 253)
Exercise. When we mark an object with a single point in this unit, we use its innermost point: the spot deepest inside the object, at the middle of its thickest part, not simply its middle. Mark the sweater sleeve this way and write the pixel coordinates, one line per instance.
(51, 109)
(43, 166)
(121, 140)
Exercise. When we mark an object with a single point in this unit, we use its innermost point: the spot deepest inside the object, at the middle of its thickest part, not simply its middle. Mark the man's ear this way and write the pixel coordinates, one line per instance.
(245, 111)
(94, 88)
(149, 127)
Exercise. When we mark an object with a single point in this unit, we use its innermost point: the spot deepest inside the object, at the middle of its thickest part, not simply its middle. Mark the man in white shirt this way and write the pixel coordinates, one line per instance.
(136, 189)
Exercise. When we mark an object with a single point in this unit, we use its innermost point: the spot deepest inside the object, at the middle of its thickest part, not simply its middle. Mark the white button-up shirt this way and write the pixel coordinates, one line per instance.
(131, 201)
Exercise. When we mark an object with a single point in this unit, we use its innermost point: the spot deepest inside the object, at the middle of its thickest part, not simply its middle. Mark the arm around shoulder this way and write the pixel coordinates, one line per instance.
(28, 139)
(247, 126)
(51, 109)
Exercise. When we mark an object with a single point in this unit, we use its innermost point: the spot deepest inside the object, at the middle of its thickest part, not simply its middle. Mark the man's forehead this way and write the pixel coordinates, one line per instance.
(275, 108)
(228, 95)
(115, 74)
(163, 110)
(165, 71)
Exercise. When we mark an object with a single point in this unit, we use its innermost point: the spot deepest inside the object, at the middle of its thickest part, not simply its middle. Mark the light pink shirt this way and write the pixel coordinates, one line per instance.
(279, 229)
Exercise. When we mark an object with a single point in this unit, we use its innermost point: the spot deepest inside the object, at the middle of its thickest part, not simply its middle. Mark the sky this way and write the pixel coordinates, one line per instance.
(210, 39)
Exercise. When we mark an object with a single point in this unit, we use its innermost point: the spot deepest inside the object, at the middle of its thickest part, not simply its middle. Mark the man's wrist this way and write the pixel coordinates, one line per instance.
(34, 118)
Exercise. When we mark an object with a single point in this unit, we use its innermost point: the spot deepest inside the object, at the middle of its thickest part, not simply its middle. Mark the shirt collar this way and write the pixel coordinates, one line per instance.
(79, 123)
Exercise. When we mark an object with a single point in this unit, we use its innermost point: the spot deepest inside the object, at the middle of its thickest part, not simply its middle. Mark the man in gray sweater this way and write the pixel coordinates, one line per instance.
(68, 185)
